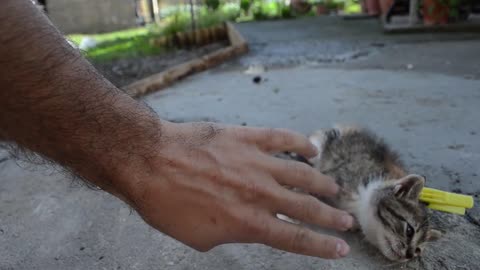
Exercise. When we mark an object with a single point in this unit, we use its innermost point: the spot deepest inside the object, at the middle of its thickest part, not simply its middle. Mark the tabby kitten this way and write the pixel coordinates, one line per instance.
(376, 190)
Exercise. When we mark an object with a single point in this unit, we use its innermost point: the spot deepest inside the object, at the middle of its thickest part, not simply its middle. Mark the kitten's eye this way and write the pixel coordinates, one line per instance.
(409, 231)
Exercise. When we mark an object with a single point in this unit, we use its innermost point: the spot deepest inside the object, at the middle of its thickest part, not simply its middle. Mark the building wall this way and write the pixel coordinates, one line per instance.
(92, 16)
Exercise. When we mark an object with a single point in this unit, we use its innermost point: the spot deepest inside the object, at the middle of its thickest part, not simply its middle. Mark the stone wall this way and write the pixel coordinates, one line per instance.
(92, 16)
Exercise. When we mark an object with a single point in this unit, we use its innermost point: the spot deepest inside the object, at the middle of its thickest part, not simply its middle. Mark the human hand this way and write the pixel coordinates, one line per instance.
(212, 184)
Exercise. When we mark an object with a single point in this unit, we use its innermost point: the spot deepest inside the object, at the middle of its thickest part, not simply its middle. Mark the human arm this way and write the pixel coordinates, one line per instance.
(202, 184)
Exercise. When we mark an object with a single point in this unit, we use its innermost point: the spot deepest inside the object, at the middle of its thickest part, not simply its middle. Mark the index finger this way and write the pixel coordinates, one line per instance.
(297, 239)
(276, 140)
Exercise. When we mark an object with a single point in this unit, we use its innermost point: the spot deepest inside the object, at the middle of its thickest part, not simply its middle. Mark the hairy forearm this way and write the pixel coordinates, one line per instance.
(53, 102)
(202, 184)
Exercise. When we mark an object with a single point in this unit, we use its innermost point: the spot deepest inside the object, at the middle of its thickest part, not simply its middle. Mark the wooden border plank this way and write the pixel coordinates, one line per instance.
(159, 81)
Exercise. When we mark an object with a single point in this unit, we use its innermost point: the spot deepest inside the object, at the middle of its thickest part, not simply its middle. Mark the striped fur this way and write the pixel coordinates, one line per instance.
(376, 190)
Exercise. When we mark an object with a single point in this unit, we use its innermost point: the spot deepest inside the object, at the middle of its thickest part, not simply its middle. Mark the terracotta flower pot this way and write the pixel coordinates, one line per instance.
(363, 4)
(300, 6)
(435, 12)
(373, 7)
(321, 9)
(385, 6)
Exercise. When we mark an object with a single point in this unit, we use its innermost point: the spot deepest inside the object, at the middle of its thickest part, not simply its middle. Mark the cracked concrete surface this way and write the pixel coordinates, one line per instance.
(429, 113)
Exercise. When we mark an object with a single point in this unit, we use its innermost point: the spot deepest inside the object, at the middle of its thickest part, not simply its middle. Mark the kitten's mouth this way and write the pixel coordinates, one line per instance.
(398, 256)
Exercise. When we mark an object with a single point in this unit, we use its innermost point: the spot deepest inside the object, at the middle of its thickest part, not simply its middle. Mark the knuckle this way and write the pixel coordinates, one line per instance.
(268, 138)
(310, 208)
(245, 134)
(242, 132)
(285, 137)
(309, 184)
(336, 218)
(251, 189)
(304, 173)
(270, 132)
(299, 240)
(255, 191)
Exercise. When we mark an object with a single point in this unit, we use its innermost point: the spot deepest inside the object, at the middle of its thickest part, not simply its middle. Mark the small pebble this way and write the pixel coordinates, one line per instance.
(410, 66)
(257, 79)
(101, 258)
(456, 146)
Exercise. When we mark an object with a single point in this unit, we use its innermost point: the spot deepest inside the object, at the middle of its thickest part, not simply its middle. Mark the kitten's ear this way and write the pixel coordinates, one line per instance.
(433, 235)
(409, 187)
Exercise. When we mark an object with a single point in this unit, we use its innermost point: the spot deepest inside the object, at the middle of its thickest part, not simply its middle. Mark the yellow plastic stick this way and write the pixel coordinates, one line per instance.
(447, 208)
(446, 201)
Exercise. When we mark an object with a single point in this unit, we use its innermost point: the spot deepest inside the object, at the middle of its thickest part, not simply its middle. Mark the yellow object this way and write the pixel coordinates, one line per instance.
(447, 208)
(446, 201)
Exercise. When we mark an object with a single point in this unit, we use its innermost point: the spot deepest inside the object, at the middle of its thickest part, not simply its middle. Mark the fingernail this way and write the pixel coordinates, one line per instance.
(336, 188)
(342, 249)
(314, 148)
(347, 221)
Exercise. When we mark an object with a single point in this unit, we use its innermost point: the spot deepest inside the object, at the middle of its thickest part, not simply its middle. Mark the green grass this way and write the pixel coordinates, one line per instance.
(121, 44)
(352, 7)
(112, 36)
(136, 42)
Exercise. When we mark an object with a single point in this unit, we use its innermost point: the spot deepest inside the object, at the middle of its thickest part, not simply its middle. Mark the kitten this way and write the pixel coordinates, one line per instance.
(376, 190)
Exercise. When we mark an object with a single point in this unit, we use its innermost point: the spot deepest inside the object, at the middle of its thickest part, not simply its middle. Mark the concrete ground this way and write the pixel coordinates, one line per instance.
(420, 92)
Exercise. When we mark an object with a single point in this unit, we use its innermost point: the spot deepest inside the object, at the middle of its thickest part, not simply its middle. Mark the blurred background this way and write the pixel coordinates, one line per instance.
(113, 29)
